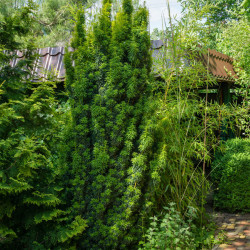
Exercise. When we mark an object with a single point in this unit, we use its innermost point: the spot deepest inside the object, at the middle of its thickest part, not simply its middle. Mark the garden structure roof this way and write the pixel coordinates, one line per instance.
(50, 62)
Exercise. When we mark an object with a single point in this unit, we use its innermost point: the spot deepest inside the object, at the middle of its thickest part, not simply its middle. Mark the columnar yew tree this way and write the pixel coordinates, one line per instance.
(123, 101)
(108, 92)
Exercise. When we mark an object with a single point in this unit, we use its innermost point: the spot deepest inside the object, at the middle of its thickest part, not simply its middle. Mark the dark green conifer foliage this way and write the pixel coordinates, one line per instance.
(12, 29)
(32, 213)
(129, 73)
(97, 193)
(109, 88)
(81, 87)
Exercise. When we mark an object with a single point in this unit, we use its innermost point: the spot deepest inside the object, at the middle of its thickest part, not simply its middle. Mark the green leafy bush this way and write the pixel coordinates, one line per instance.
(171, 232)
(174, 231)
(231, 176)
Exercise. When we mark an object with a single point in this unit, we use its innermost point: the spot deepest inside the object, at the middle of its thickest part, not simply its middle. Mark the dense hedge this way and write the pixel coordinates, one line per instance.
(231, 175)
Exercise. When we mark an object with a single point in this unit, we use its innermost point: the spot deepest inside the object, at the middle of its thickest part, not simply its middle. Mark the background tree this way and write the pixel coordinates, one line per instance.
(215, 15)
(52, 22)
(221, 11)
(157, 34)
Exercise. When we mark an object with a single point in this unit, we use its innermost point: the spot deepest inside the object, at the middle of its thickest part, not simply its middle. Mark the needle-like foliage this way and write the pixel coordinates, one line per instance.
(108, 92)
(33, 215)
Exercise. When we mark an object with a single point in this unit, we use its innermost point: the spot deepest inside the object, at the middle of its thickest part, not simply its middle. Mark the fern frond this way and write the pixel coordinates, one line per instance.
(41, 199)
(74, 229)
(47, 215)
(14, 187)
(6, 234)
(6, 208)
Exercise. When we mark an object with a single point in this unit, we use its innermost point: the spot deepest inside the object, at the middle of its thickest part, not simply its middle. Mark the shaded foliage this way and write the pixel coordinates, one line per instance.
(231, 171)
(32, 213)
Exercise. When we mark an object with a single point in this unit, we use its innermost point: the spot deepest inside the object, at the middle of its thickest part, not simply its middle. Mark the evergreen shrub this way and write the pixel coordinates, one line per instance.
(231, 176)
(33, 211)
(107, 91)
